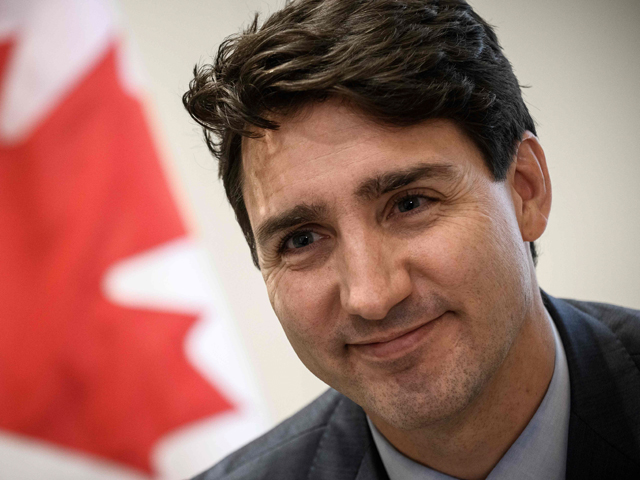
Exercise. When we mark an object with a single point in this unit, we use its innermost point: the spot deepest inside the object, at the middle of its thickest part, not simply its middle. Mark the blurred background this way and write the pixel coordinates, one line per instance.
(136, 336)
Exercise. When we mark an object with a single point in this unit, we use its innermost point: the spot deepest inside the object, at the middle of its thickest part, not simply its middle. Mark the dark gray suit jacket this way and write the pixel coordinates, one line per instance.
(330, 438)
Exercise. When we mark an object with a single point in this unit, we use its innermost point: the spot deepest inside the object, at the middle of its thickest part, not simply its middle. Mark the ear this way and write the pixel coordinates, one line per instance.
(530, 187)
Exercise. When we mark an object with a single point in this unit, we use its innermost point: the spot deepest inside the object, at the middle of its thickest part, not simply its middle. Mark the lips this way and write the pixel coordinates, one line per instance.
(397, 344)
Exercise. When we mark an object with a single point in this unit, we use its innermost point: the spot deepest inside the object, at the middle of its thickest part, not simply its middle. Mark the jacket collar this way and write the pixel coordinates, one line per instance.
(604, 428)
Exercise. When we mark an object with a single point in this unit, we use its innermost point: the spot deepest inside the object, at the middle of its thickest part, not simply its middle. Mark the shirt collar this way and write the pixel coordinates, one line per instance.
(539, 453)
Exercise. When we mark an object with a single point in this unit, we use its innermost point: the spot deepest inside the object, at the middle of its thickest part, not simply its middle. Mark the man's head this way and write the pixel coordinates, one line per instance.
(399, 62)
(382, 164)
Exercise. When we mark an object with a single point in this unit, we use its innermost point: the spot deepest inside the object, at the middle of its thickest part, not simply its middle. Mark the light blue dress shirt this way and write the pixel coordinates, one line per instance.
(539, 453)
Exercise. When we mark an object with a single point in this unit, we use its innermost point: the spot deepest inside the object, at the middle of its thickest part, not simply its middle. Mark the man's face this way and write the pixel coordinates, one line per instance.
(392, 258)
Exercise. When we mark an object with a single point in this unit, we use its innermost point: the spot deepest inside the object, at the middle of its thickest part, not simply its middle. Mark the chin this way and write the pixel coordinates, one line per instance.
(424, 401)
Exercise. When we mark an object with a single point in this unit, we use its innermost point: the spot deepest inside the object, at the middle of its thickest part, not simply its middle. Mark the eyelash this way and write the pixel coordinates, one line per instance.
(406, 196)
(288, 236)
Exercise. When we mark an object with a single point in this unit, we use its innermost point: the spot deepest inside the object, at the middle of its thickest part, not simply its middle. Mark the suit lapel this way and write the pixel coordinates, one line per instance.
(346, 450)
(604, 428)
(372, 467)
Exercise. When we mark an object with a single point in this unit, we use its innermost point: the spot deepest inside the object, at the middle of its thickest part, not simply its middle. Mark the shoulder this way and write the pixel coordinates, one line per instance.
(285, 452)
(623, 322)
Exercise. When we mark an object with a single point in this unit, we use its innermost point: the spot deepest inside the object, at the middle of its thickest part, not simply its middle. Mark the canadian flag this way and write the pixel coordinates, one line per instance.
(118, 358)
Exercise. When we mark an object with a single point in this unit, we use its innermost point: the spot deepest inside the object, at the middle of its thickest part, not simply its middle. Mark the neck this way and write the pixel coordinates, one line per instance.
(470, 444)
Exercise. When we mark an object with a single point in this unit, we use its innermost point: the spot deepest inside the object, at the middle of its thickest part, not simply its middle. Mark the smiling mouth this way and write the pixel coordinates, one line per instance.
(395, 346)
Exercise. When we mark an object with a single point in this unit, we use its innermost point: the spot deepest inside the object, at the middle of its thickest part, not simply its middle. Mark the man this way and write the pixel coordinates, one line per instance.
(386, 174)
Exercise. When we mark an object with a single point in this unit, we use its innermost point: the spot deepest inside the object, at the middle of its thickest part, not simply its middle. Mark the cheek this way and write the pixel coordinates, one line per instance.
(305, 303)
(307, 306)
(475, 254)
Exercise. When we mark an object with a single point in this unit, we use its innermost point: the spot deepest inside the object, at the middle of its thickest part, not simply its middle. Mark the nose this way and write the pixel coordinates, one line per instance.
(375, 277)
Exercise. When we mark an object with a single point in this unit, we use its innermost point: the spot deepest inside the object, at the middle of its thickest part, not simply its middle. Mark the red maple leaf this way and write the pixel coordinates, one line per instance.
(82, 192)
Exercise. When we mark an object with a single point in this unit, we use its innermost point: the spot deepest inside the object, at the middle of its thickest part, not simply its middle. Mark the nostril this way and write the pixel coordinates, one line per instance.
(373, 301)
(368, 310)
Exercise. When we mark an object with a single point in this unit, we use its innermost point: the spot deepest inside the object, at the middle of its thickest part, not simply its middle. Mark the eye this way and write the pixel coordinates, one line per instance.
(300, 240)
(410, 202)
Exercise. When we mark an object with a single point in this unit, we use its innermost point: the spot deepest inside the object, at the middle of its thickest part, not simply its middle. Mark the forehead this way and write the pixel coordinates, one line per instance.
(328, 148)
(317, 132)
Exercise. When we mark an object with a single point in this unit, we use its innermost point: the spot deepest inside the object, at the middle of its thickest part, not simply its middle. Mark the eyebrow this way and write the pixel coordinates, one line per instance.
(302, 213)
(389, 181)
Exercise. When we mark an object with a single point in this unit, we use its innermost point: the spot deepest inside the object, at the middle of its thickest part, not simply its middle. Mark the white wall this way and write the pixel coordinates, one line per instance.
(582, 61)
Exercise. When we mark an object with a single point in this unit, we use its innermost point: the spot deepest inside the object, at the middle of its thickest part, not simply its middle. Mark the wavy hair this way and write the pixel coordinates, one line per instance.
(399, 62)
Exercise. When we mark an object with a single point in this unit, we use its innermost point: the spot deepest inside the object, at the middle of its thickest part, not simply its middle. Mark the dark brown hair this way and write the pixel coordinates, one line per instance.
(399, 62)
